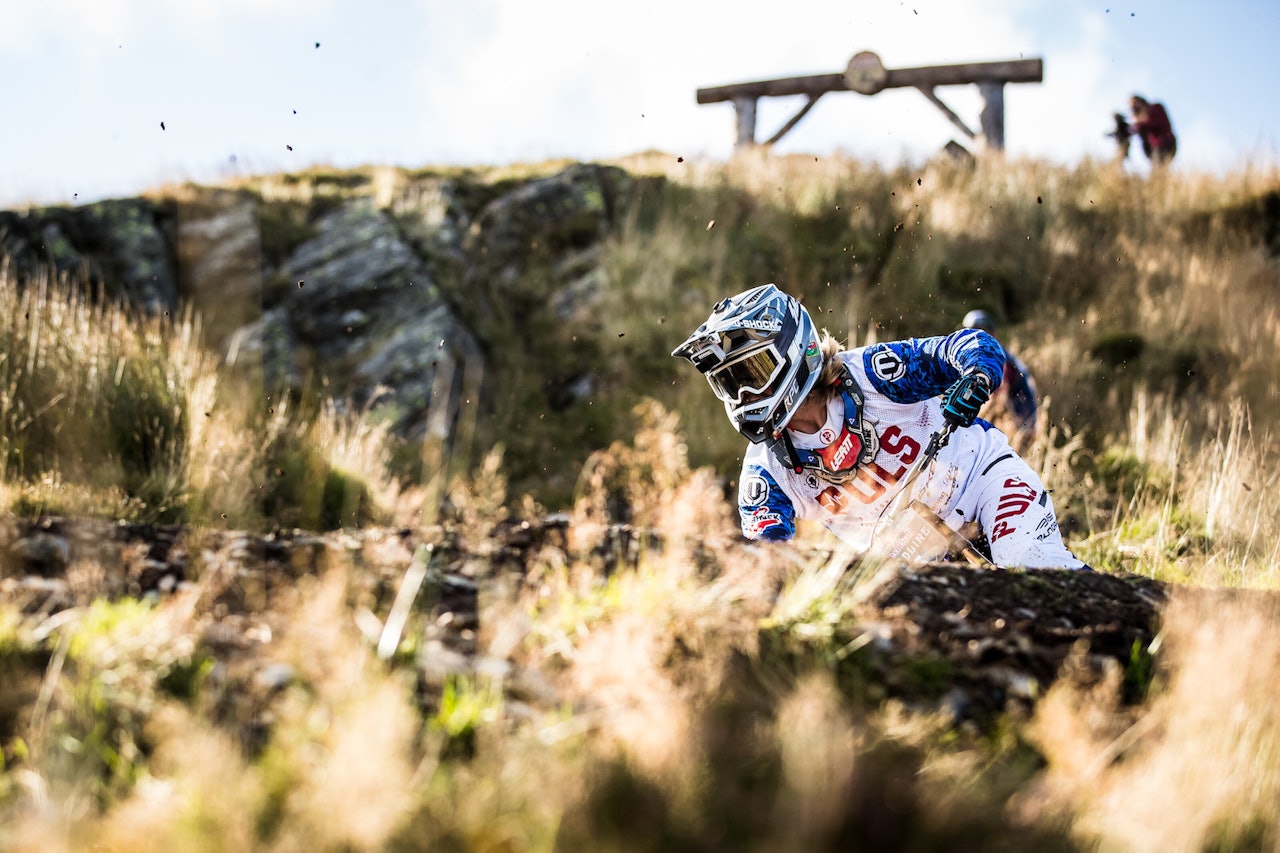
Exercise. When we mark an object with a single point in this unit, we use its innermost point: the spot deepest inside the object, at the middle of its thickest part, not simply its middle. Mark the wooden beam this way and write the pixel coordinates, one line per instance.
(1007, 71)
(947, 111)
(815, 85)
(813, 99)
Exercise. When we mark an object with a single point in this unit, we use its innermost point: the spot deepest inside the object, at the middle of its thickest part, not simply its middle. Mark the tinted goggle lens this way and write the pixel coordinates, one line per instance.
(751, 374)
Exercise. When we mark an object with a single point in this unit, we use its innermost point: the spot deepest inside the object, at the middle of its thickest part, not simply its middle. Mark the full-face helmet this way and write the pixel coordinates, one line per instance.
(759, 350)
(979, 319)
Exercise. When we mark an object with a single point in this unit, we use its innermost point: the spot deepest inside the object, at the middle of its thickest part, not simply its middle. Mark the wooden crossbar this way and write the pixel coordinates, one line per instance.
(927, 76)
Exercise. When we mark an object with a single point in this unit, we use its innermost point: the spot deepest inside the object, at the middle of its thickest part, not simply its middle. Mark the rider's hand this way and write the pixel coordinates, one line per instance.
(963, 400)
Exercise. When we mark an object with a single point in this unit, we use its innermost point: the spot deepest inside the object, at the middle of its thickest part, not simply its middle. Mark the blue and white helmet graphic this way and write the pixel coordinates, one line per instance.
(759, 350)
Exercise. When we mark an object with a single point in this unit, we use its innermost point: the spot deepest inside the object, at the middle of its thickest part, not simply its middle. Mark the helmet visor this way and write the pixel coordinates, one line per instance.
(751, 374)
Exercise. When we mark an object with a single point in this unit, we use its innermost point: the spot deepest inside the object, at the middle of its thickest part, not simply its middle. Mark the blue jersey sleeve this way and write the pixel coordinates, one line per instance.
(914, 370)
(765, 510)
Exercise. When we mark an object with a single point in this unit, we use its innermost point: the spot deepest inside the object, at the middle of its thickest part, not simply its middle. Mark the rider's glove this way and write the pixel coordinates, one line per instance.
(963, 400)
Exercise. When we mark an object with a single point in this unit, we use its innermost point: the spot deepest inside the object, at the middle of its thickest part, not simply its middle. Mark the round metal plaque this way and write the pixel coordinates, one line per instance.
(866, 74)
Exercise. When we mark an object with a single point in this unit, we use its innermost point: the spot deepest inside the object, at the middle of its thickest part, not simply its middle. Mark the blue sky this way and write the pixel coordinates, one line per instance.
(242, 87)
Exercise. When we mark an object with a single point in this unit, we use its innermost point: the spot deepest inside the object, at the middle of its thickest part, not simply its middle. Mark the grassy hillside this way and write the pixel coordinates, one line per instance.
(699, 695)
(1143, 307)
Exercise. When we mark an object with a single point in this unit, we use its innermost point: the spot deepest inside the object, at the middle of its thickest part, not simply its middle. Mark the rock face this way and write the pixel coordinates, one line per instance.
(533, 270)
(125, 246)
(219, 260)
(387, 295)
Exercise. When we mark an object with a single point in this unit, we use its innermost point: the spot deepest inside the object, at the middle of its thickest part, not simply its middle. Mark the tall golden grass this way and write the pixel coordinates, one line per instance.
(689, 698)
(623, 710)
(108, 412)
(1144, 308)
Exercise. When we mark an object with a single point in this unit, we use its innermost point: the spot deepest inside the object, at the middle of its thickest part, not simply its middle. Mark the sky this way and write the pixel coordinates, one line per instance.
(111, 98)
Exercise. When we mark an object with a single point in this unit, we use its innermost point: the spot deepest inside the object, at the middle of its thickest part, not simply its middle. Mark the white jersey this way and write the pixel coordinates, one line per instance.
(976, 476)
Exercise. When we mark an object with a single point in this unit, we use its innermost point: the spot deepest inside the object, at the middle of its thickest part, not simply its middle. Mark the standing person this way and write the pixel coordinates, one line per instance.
(834, 431)
(1151, 124)
(1013, 404)
(1121, 134)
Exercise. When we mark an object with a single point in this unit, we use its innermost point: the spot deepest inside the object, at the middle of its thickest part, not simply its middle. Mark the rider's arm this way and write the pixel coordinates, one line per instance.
(765, 510)
(919, 368)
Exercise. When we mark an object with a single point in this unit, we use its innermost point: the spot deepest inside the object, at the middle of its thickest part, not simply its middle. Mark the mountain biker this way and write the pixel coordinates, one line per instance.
(1014, 399)
(834, 431)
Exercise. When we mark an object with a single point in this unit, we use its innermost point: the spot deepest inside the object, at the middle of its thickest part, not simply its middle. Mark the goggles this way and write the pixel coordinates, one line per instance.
(754, 373)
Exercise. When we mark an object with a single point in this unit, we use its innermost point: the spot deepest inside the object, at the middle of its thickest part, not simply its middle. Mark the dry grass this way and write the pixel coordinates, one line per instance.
(1145, 309)
(642, 706)
(1200, 768)
(107, 412)
(670, 726)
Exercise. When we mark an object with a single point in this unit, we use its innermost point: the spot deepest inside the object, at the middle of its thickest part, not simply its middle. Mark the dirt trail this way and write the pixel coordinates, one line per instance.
(973, 641)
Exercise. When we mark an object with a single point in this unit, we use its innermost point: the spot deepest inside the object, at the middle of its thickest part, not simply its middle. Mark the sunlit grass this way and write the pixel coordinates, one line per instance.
(649, 681)
(1200, 768)
(108, 412)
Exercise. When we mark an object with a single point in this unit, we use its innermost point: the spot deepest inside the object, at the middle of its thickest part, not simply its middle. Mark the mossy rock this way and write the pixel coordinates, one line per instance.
(283, 226)
(1118, 349)
(1258, 217)
(1190, 366)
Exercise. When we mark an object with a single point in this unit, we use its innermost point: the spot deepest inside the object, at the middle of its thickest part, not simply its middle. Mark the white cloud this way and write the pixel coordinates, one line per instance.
(88, 24)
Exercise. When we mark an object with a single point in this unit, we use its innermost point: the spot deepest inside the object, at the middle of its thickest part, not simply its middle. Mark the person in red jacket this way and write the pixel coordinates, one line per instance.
(1151, 125)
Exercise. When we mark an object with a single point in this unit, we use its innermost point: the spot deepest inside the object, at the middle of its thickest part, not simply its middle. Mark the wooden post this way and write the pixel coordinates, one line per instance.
(745, 106)
(992, 118)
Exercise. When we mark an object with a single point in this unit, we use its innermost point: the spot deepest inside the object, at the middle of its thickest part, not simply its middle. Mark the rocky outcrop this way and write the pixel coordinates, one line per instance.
(534, 274)
(545, 220)
(126, 247)
(387, 298)
(219, 259)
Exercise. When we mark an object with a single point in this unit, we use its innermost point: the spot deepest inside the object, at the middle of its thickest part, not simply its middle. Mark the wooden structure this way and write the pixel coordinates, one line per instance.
(867, 75)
